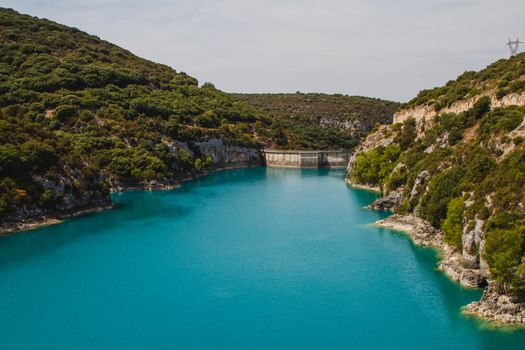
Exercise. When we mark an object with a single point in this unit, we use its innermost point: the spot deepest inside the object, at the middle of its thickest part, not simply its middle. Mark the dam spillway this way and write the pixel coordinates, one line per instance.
(306, 159)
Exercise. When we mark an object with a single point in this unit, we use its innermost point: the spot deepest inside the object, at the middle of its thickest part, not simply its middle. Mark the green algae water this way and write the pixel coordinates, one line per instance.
(246, 259)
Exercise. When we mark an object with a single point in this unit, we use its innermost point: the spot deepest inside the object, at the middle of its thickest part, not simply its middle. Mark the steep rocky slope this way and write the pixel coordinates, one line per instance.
(320, 121)
(453, 168)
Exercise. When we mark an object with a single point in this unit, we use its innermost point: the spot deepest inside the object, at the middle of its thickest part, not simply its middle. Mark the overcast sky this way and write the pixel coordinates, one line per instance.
(379, 48)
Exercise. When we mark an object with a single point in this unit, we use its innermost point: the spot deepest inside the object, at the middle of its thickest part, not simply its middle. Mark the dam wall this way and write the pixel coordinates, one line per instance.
(305, 159)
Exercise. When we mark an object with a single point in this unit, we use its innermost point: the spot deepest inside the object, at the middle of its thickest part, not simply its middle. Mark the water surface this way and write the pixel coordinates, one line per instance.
(246, 259)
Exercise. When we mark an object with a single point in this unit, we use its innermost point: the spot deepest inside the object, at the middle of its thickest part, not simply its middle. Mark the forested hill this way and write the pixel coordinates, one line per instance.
(321, 121)
(463, 171)
(79, 115)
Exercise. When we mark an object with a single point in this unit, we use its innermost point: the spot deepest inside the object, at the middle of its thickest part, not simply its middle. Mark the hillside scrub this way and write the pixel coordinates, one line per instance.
(312, 121)
(503, 76)
(78, 113)
(453, 182)
(80, 116)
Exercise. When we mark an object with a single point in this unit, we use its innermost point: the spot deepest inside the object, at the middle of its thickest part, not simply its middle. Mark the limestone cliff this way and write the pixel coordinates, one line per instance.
(454, 174)
(420, 113)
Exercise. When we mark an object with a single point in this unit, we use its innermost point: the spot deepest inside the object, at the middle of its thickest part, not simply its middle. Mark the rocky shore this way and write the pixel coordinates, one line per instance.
(422, 233)
(389, 202)
(146, 185)
(40, 219)
(362, 187)
(51, 218)
(494, 305)
(498, 307)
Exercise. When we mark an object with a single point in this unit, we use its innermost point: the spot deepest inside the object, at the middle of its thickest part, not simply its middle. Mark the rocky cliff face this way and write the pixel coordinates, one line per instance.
(65, 200)
(435, 167)
(381, 137)
(229, 156)
(426, 113)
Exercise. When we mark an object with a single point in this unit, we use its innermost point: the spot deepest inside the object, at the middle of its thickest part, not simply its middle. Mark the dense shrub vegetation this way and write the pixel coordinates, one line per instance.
(374, 166)
(463, 169)
(505, 250)
(79, 112)
(453, 223)
(503, 76)
(79, 115)
(320, 121)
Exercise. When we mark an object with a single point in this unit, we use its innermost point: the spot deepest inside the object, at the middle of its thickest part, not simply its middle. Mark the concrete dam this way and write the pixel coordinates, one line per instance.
(305, 159)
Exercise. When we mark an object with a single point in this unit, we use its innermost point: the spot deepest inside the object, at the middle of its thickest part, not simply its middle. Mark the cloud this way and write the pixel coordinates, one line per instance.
(388, 49)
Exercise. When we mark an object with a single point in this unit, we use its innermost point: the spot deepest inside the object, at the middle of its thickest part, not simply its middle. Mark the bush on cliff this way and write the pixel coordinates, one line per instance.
(443, 187)
(465, 170)
(505, 250)
(453, 224)
(373, 166)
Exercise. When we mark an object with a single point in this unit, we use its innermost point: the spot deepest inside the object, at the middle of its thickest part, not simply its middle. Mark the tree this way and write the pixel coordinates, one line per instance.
(453, 224)
(37, 155)
(505, 255)
(10, 161)
(367, 167)
(443, 187)
(408, 134)
(65, 112)
(481, 107)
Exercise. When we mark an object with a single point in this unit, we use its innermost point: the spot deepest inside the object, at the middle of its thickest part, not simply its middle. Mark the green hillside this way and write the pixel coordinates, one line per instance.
(501, 78)
(79, 115)
(464, 173)
(320, 121)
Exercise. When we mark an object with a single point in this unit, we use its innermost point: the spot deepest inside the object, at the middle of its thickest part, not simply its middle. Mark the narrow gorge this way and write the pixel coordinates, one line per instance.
(194, 218)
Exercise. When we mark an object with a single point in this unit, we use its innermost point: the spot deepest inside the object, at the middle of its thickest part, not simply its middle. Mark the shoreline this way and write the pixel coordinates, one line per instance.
(357, 186)
(502, 310)
(14, 227)
(11, 228)
(493, 306)
(423, 234)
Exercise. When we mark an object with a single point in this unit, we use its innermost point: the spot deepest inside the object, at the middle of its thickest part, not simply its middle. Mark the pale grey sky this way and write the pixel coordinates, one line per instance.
(379, 48)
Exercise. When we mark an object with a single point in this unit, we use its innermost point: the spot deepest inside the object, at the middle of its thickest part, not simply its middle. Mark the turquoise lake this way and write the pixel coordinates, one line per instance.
(245, 259)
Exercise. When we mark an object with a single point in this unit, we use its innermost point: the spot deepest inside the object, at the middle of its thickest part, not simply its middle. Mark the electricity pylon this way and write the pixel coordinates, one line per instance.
(513, 46)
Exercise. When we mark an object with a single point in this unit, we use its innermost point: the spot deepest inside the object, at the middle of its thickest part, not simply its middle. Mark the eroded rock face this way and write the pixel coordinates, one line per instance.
(453, 266)
(427, 113)
(354, 125)
(66, 202)
(420, 183)
(223, 155)
(471, 241)
(70, 201)
(419, 188)
(421, 232)
(389, 202)
(381, 137)
(226, 156)
(441, 142)
(61, 189)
